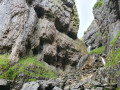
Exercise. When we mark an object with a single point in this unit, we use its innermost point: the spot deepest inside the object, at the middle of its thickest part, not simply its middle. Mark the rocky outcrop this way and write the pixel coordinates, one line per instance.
(45, 28)
(92, 36)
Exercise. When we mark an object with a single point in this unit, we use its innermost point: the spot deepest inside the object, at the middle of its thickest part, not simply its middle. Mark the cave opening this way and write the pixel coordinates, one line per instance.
(39, 11)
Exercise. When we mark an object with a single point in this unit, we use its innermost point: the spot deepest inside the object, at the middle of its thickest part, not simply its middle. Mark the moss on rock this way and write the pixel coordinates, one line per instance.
(98, 4)
(80, 46)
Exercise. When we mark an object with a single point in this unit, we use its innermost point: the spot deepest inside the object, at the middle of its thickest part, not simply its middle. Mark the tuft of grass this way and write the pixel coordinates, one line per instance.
(98, 4)
(29, 67)
(97, 50)
(112, 43)
(4, 62)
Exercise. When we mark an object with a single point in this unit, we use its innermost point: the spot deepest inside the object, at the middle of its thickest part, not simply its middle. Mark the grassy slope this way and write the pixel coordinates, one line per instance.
(29, 66)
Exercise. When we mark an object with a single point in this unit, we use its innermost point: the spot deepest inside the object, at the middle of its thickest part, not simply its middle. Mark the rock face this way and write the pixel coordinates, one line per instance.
(106, 25)
(92, 36)
(45, 28)
(105, 30)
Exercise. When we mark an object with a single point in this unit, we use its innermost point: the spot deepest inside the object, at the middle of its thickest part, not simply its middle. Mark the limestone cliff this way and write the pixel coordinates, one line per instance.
(35, 27)
(40, 39)
(105, 32)
(106, 24)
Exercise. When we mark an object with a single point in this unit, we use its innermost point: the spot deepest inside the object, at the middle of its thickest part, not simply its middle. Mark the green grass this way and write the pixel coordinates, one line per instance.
(97, 50)
(98, 4)
(29, 67)
(4, 62)
(113, 56)
(118, 88)
(115, 39)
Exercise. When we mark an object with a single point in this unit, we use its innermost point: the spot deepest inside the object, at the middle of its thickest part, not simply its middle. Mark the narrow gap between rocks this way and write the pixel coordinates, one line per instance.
(39, 11)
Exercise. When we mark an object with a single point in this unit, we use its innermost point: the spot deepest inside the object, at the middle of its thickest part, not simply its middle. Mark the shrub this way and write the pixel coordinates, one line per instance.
(97, 50)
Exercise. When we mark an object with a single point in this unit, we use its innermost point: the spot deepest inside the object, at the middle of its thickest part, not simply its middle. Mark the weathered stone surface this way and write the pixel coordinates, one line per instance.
(44, 28)
(92, 36)
(57, 88)
(30, 86)
(41, 85)
(107, 19)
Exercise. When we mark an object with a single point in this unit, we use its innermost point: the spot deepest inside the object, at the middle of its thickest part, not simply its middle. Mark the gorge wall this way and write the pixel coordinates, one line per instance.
(104, 33)
(39, 48)
(45, 28)
(106, 25)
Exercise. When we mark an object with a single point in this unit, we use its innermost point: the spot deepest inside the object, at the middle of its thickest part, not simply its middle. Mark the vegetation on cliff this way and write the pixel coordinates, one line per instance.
(114, 54)
(97, 50)
(29, 68)
(4, 62)
(98, 4)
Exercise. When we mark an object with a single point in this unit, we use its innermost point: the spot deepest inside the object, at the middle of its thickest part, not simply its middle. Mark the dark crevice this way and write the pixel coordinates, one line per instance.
(59, 26)
(50, 59)
(29, 1)
(3, 87)
(72, 35)
(28, 47)
(39, 11)
(68, 3)
(50, 87)
(40, 88)
(36, 51)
